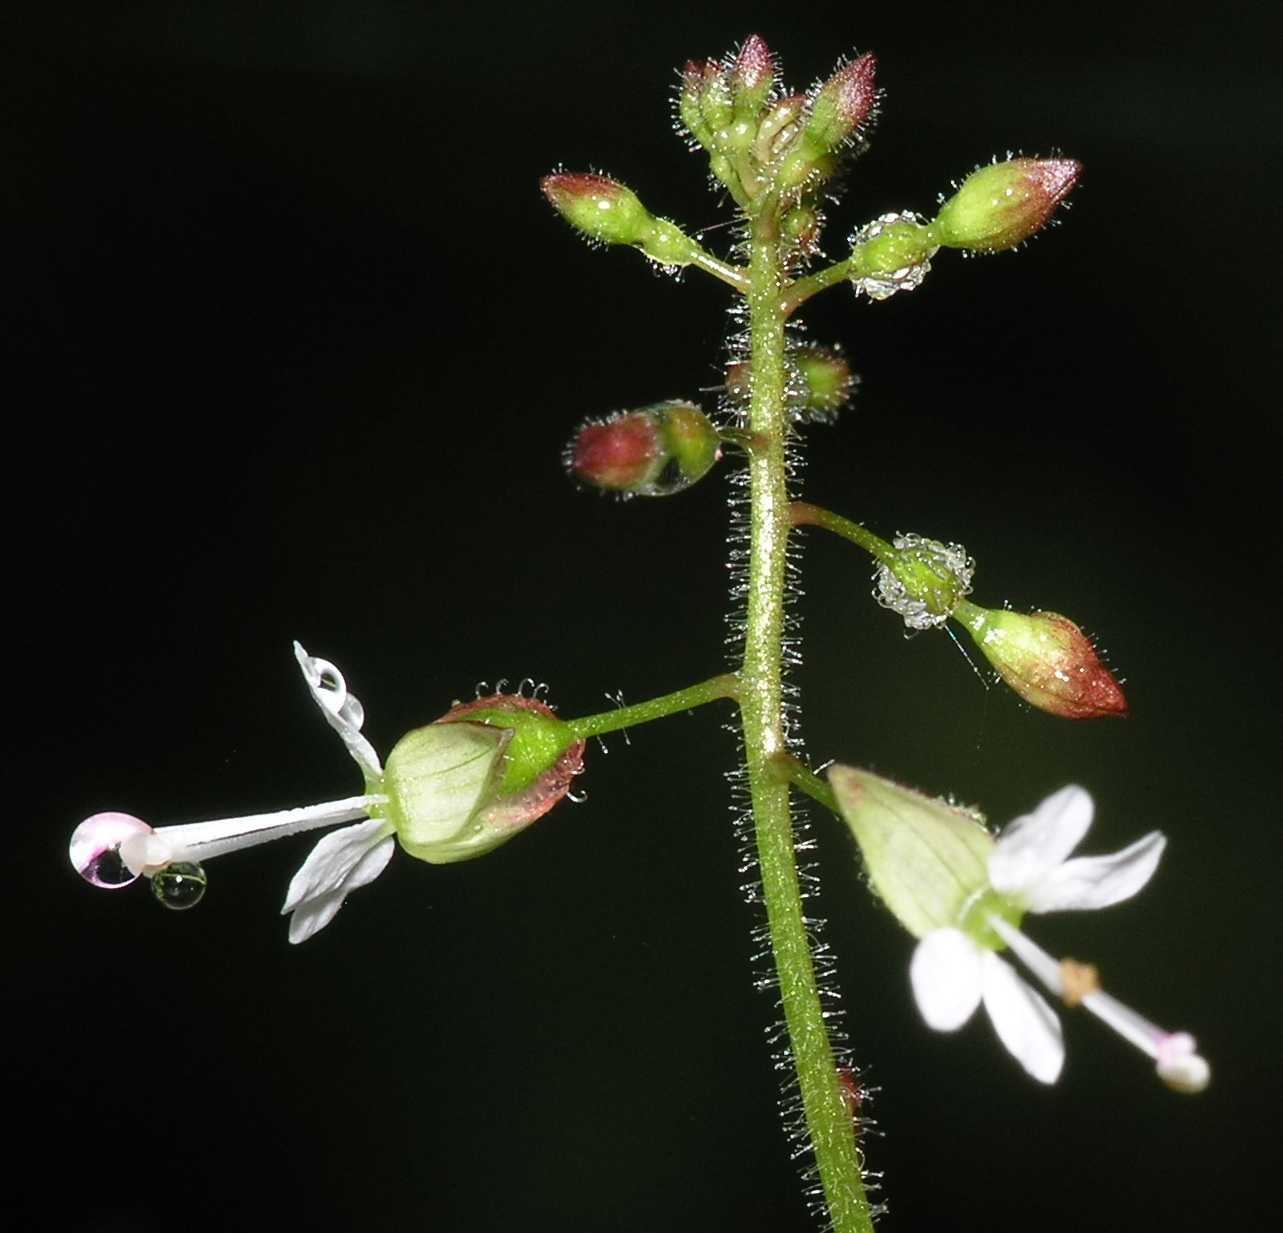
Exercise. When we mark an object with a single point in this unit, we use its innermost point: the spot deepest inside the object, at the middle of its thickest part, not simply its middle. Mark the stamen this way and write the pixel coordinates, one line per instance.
(1178, 1065)
(1077, 981)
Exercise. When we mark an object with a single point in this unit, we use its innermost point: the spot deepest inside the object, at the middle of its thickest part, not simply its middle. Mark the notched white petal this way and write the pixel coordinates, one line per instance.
(342, 710)
(342, 862)
(945, 974)
(1098, 881)
(1034, 844)
(1025, 1024)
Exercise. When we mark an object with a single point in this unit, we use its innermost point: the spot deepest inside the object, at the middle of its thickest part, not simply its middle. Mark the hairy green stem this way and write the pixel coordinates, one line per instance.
(801, 776)
(806, 515)
(732, 275)
(828, 1116)
(725, 686)
(802, 289)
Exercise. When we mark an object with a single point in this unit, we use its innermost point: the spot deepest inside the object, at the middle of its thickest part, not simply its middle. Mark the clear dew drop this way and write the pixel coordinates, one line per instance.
(179, 886)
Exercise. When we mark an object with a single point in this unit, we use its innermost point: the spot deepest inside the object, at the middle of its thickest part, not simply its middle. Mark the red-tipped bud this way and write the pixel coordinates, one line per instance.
(601, 208)
(844, 103)
(752, 76)
(1002, 205)
(1047, 660)
(696, 75)
(651, 452)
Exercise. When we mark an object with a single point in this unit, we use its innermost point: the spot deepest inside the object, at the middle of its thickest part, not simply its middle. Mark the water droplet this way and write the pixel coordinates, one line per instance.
(95, 848)
(179, 886)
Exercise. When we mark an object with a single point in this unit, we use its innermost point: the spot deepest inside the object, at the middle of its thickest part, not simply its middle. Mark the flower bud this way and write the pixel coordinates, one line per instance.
(925, 858)
(892, 253)
(602, 209)
(925, 582)
(651, 452)
(820, 381)
(606, 212)
(752, 75)
(485, 770)
(1001, 205)
(695, 78)
(1047, 660)
(844, 103)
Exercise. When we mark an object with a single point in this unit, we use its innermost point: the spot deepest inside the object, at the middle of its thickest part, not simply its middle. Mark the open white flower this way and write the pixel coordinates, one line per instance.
(441, 798)
(963, 893)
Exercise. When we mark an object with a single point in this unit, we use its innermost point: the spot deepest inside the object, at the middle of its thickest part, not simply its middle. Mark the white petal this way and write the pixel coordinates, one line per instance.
(342, 711)
(1034, 844)
(1098, 881)
(342, 862)
(1025, 1024)
(945, 974)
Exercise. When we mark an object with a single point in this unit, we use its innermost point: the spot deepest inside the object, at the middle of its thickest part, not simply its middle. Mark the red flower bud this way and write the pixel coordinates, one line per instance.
(844, 103)
(1047, 660)
(752, 75)
(651, 452)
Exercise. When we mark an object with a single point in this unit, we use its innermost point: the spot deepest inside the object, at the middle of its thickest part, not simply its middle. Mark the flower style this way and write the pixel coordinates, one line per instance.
(962, 893)
(444, 795)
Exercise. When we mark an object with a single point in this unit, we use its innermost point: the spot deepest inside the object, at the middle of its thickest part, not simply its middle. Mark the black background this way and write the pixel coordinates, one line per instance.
(292, 344)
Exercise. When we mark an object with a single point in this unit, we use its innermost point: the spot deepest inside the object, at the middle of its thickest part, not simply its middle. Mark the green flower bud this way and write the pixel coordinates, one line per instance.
(820, 381)
(600, 208)
(927, 859)
(1001, 205)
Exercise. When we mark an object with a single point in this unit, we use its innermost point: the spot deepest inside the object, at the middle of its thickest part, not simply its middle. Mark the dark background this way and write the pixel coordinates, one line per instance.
(292, 344)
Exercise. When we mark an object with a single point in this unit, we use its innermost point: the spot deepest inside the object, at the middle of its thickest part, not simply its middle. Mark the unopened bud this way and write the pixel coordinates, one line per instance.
(926, 581)
(601, 208)
(820, 381)
(801, 226)
(609, 213)
(892, 253)
(695, 76)
(651, 452)
(1047, 660)
(1001, 205)
(752, 76)
(927, 859)
(844, 103)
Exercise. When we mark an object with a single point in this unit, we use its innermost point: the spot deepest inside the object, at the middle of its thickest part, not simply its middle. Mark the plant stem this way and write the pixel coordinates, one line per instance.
(806, 515)
(802, 289)
(732, 275)
(828, 1117)
(725, 686)
(801, 776)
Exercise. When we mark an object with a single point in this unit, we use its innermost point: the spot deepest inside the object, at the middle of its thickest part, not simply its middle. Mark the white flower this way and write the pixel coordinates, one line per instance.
(441, 795)
(1029, 870)
(114, 849)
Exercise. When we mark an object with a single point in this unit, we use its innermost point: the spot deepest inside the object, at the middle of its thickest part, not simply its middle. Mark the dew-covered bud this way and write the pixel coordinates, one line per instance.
(927, 859)
(892, 253)
(1002, 205)
(484, 771)
(651, 452)
(926, 581)
(1047, 660)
